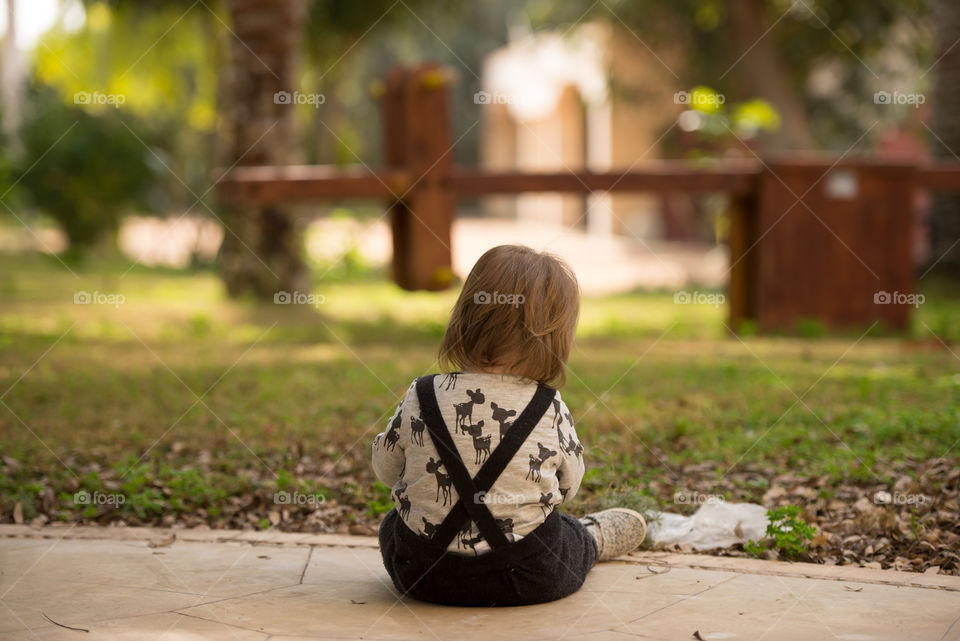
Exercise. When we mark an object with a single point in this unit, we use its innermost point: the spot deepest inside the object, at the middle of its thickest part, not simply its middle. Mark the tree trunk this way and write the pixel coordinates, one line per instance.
(760, 73)
(12, 87)
(261, 251)
(945, 210)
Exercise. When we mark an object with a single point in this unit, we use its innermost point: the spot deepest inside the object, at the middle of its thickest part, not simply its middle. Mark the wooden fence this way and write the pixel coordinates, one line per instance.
(811, 237)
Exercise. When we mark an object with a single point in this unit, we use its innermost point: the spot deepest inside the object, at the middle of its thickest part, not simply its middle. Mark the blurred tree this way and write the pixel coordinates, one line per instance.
(261, 251)
(254, 45)
(773, 50)
(92, 168)
(945, 210)
(165, 82)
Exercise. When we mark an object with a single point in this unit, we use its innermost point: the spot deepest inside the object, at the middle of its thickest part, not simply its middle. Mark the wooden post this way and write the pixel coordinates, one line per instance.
(417, 139)
(742, 289)
(840, 256)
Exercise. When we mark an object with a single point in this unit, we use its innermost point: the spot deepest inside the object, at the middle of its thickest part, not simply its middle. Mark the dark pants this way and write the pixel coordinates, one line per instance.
(548, 564)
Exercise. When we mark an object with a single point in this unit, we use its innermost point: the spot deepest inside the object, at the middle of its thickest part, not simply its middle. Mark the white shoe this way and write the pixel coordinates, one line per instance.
(617, 531)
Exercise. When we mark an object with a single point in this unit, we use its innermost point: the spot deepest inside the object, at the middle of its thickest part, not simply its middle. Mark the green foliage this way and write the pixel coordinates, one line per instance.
(754, 549)
(92, 167)
(381, 501)
(168, 89)
(787, 532)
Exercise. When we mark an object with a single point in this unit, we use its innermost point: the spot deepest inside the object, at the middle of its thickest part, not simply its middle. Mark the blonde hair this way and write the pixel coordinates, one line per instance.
(517, 312)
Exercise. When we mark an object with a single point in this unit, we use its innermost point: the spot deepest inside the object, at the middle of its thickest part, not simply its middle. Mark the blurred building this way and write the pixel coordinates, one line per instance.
(595, 97)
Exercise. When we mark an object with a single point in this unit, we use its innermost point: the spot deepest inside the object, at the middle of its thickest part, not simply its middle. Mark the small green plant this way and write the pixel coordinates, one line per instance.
(753, 548)
(788, 532)
(916, 525)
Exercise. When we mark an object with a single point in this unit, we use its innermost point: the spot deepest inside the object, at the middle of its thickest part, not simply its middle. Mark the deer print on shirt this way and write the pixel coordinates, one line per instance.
(534, 471)
(545, 452)
(567, 443)
(448, 381)
(465, 410)
(537, 461)
(505, 525)
(393, 434)
(481, 443)
(466, 541)
(500, 415)
(416, 430)
(572, 447)
(402, 500)
(545, 503)
(403, 506)
(443, 480)
(557, 417)
(428, 527)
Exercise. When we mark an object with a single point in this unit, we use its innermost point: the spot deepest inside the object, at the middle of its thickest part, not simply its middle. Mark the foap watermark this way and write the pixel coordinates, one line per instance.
(899, 98)
(99, 498)
(500, 498)
(298, 498)
(696, 498)
(298, 298)
(98, 298)
(699, 98)
(496, 98)
(900, 498)
(98, 98)
(299, 98)
(898, 298)
(496, 298)
(699, 298)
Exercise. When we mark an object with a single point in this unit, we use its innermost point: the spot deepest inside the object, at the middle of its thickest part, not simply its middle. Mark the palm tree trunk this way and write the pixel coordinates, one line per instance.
(945, 211)
(261, 251)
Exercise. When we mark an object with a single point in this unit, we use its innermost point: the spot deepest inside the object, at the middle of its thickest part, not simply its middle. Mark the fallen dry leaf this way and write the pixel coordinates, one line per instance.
(167, 542)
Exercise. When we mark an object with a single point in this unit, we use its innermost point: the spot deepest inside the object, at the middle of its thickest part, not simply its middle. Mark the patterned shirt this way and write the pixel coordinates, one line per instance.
(478, 409)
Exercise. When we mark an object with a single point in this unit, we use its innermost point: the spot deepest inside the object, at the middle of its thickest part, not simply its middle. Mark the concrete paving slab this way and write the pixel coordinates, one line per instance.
(232, 585)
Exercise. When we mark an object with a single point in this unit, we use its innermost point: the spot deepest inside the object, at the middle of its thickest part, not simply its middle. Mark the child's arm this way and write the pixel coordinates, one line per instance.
(388, 456)
(570, 471)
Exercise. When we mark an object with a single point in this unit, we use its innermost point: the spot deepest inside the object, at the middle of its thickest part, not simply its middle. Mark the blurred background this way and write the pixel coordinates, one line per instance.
(142, 352)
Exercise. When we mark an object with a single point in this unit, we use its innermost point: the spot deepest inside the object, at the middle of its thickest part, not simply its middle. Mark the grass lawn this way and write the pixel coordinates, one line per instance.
(196, 409)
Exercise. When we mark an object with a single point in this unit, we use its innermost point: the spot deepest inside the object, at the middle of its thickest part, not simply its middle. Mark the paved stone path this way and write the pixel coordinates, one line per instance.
(141, 583)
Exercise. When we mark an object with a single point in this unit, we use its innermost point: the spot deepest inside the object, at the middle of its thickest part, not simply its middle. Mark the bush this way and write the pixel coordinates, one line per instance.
(83, 169)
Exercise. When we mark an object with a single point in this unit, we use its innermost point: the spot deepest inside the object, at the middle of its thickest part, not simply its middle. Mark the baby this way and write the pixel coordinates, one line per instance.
(479, 458)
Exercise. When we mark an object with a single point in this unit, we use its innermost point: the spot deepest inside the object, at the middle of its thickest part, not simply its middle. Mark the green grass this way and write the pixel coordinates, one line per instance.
(653, 387)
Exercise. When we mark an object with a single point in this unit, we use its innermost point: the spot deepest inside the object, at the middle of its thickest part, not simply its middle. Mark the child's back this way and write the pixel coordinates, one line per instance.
(478, 410)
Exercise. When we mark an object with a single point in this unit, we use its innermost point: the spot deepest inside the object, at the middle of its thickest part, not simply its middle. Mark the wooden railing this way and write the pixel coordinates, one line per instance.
(797, 249)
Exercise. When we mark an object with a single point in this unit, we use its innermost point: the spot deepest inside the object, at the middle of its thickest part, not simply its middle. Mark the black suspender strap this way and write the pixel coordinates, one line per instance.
(443, 441)
(468, 507)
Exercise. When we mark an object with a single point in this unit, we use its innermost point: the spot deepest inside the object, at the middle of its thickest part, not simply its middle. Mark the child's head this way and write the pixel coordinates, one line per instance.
(517, 313)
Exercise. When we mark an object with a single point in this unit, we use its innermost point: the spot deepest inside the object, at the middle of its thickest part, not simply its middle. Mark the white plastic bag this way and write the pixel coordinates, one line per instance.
(717, 524)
